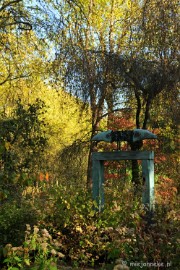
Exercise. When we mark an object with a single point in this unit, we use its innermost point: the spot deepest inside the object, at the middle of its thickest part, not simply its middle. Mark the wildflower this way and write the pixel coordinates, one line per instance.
(57, 243)
(7, 250)
(60, 255)
(8, 246)
(28, 227)
(18, 250)
(53, 252)
(79, 229)
(44, 246)
(36, 229)
(46, 234)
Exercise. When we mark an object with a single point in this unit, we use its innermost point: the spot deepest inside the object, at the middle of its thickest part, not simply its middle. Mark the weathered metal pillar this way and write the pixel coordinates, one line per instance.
(98, 182)
(148, 188)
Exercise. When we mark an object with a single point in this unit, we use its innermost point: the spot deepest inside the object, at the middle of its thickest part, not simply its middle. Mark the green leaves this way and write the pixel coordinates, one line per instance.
(22, 139)
(72, 231)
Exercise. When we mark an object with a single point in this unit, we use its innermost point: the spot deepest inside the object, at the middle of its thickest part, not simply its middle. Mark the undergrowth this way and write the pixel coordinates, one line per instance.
(58, 225)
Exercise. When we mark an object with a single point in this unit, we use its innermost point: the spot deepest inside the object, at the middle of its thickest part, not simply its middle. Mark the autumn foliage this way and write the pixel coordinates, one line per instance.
(69, 69)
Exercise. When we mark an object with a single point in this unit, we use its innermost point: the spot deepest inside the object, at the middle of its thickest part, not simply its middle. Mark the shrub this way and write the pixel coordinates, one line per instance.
(38, 251)
(13, 219)
(87, 237)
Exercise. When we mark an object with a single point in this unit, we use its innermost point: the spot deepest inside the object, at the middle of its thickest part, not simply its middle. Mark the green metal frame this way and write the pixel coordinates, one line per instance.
(147, 158)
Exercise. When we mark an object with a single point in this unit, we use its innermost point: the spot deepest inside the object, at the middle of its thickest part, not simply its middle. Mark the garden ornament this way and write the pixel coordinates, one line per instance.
(131, 136)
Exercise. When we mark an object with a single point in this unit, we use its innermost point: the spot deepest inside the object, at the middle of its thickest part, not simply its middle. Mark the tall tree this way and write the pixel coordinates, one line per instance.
(151, 64)
(13, 21)
(109, 47)
(89, 32)
(155, 64)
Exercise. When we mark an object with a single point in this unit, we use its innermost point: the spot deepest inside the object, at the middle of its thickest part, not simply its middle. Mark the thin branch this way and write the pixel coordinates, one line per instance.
(106, 114)
(20, 27)
(9, 4)
(5, 80)
(14, 78)
(29, 26)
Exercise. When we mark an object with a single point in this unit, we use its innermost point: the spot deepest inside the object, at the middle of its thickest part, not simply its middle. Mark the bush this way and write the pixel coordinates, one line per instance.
(13, 220)
(38, 251)
(86, 237)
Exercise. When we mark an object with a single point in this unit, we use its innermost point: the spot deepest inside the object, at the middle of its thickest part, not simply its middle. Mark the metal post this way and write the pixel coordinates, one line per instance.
(148, 189)
(98, 183)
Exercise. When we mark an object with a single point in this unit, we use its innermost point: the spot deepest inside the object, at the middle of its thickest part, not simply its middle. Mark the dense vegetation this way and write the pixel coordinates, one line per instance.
(69, 69)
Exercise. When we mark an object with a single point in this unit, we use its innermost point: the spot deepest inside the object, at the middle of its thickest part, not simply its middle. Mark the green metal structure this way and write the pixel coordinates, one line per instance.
(147, 158)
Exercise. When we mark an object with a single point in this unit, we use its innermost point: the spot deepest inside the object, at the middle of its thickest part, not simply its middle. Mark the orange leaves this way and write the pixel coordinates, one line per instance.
(165, 190)
(115, 170)
(118, 122)
(156, 131)
(43, 177)
(112, 176)
(160, 158)
(47, 176)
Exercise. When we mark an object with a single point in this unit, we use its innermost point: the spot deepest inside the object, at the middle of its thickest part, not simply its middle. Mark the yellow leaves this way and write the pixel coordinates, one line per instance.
(68, 206)
(27, 262)
(129, 3)
(7, 145)
(103, 17)
(78, 229)
(88, 243)
(173, 215)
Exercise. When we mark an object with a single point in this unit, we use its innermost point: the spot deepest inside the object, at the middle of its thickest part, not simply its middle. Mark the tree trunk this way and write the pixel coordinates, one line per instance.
(96, 116)
(89, 167)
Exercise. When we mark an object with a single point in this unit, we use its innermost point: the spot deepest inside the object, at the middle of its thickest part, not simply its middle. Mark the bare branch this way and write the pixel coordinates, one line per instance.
(9, 78)
(108, 113)
(29, 26)
(9, 4)
(5, 80)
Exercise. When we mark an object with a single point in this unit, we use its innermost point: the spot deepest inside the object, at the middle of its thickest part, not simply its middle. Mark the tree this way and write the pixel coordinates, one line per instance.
(12, 13)
(152, 67)
(87, 36)
(20, 43)
(13, 21)
(156, 68)
(104, 50)
(107, 49)
(22, 141)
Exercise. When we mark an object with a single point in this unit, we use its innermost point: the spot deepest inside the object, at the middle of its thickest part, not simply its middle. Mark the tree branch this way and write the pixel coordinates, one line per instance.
(147, 115)
(20, 27)
(9, 4)
(14, 78)
(106, 114)
(138, 110)
(5, 80)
